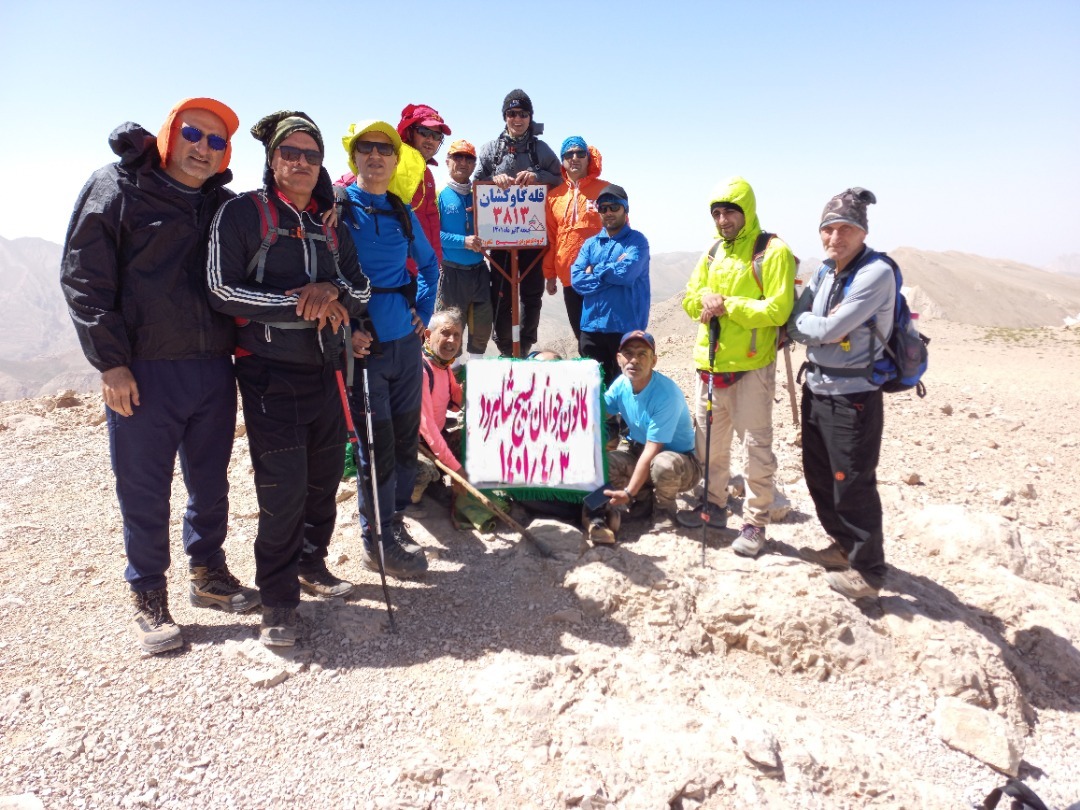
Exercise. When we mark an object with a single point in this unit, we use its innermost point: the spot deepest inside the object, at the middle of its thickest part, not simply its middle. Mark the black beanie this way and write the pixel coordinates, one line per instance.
(517, 100)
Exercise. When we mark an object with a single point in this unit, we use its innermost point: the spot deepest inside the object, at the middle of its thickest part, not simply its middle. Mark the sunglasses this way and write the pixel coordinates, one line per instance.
(604, 208)
(574, 153)
(463, 156)
(292, 154)
(367, 147)
(518, 114)
(194, 135)
(428, 132)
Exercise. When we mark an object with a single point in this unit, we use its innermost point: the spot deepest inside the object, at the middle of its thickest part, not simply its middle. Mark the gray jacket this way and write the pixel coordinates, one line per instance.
(872, 294)
(506, 156)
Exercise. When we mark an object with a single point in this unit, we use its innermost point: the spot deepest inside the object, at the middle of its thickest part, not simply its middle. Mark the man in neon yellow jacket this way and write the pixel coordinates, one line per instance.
(746, 281)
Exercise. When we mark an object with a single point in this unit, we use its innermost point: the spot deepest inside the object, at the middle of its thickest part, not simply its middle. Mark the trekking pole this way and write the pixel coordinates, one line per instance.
(369, 479)
(791, 394)
(714, 338)
(490, 504)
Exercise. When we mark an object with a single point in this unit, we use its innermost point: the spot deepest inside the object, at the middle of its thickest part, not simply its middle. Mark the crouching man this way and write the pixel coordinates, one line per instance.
(661, 455)
(440, 393)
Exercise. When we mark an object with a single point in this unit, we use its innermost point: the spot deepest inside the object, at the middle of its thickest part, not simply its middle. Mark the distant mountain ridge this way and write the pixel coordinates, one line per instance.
(39, 352)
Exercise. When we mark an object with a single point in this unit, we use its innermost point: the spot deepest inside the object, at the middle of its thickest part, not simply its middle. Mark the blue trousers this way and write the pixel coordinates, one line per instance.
(186, 407)
(394, 380)
(296, 429)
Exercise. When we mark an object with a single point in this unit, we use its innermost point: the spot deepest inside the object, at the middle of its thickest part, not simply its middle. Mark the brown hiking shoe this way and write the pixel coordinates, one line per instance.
(316, 579)
(218, 588)
(850, 583)
(154, 624)
(278, 628)
(598, 532)
(833, 558)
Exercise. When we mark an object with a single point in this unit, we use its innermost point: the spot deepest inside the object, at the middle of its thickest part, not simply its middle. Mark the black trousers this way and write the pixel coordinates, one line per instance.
(841, 445)
(574, 303)
(296, 432)
(603, 347)
(531, 292)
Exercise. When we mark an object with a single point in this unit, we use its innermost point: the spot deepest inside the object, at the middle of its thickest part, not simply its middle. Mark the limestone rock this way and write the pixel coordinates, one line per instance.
(24, 801)
(266, 678)
(961, 536)
(979, 733)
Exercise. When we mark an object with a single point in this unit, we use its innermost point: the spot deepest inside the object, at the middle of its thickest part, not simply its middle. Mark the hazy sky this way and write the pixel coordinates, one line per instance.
(962, 117)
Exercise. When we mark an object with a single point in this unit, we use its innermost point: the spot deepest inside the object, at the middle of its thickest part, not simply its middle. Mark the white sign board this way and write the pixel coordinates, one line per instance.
(534, 423)
(513, 218)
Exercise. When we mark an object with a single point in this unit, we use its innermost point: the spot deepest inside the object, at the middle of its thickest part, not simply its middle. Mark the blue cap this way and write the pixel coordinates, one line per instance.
(637, 334)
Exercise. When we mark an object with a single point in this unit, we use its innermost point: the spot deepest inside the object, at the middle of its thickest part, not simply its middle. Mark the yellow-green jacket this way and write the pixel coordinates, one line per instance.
(752, 314)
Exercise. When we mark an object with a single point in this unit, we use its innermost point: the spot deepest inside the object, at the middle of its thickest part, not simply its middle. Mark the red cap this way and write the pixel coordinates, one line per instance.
(423, 116)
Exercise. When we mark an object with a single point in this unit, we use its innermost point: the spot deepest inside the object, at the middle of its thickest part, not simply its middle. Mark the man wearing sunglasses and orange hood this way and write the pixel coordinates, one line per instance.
(132, 273)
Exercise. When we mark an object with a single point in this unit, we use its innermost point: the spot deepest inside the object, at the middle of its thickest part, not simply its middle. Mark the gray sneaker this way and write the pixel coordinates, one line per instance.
(278, 628)
(850, 583)
(316, 579)
(218, 588)
(397, 561)
(154, 625)
(696, 518)
(750, 541)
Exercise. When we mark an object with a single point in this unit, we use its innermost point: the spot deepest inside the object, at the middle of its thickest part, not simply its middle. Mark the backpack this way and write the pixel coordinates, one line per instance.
(503, 148)
(761, 244)
(270, 226)
(904, 363)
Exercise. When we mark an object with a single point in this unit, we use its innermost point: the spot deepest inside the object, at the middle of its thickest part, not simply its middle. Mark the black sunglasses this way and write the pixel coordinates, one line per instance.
(428, 132)
(292, 154)
(574, 153)
(367, 147)
(603, 208)
(194, 135)
(517, 114)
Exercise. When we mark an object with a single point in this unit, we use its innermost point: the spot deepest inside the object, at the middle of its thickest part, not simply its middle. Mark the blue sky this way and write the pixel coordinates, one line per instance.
(962, 117)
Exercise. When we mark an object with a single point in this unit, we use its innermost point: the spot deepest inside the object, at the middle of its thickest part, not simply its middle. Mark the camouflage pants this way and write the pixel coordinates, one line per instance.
(669, 474)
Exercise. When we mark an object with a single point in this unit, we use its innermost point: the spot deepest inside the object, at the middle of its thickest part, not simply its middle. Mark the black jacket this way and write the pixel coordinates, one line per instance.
(263, 309)
(133, 263)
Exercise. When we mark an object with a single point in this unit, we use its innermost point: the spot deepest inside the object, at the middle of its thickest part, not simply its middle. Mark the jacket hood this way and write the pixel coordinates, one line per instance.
(596, 164)
(736, 190)
(138, 149)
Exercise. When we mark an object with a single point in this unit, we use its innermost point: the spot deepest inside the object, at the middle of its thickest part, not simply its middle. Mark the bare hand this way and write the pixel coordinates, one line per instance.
(315, 299)
(473, 243)
(119, 390)
(618, 496)
(336, 316)
(552, 285)
(503, 181)
(525, 178)
(712, 306)
(361, 343)
(417, 324)
(330, 218)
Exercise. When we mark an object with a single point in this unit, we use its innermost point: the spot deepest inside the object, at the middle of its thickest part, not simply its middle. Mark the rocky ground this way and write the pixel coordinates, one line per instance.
(630, 677)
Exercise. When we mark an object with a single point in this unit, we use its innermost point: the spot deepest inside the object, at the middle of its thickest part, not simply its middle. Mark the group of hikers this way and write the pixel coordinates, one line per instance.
(183, 292)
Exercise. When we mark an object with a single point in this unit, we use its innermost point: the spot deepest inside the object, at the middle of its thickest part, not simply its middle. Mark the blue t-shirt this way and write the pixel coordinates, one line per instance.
(658, 414)
(456, 222)
(382, 249)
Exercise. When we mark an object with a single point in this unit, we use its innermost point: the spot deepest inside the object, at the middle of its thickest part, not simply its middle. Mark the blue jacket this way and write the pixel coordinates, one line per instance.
(456, 218)
(382, 249)
(611, 274)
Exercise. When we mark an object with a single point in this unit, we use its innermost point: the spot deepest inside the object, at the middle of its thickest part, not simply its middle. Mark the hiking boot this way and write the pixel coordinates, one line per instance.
(850, 583)
(750, 541)
(316, 579)
(665, 520)
(599, 533)
(218, 588)
(397, 561)
(278, 628)
(403, 538)
(154, 624)
(694, 519)
(833, 558)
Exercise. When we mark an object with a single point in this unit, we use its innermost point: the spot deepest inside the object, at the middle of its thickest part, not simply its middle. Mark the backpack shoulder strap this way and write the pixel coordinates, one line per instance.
(713, 250)
(761, 244)
(268, 224)
(404, 214)
(430, 376)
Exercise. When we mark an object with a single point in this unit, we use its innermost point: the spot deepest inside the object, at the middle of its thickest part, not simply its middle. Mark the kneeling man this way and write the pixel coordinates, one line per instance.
(661, 454)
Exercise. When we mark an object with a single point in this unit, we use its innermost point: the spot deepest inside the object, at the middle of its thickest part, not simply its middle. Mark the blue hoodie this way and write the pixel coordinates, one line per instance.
(382, 248)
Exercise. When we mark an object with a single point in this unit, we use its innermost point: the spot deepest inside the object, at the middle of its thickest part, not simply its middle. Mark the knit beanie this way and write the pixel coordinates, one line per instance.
(848, 206)
(517, 100)
(272, 129)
